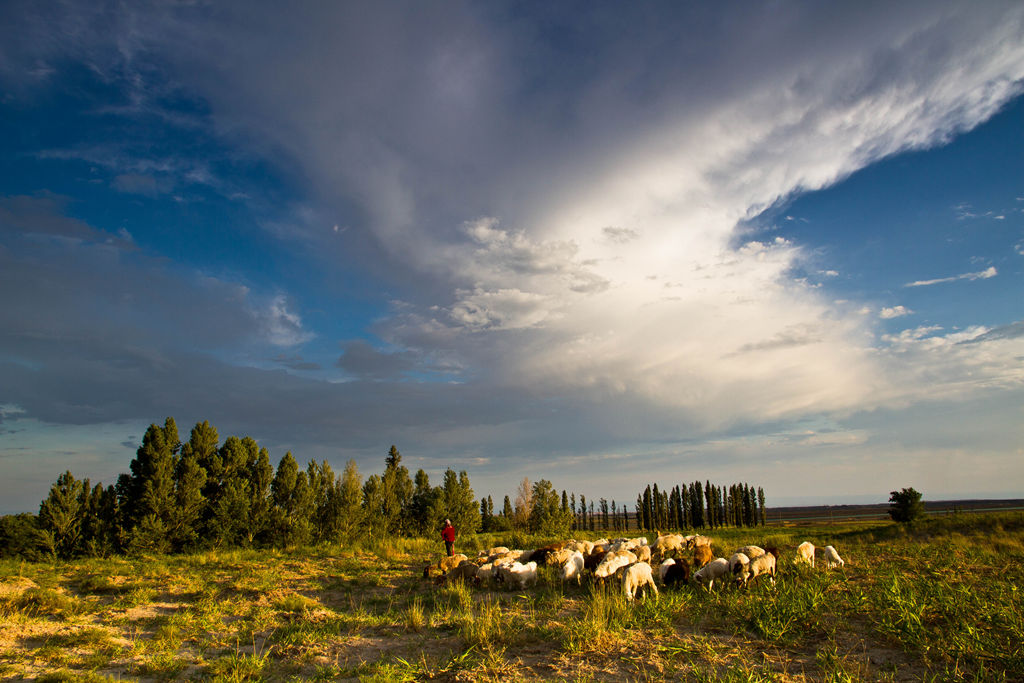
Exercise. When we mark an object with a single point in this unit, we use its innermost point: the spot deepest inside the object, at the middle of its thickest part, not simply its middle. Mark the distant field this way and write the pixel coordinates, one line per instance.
(828, 513)
(940, 601)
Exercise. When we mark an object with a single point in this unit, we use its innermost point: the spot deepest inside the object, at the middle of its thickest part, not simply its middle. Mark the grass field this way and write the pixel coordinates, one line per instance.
(941, 601)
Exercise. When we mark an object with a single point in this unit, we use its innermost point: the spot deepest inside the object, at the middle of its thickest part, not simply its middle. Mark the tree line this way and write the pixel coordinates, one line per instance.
(200, 493)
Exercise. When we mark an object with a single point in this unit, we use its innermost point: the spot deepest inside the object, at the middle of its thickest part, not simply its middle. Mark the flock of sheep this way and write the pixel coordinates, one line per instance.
(628, 561)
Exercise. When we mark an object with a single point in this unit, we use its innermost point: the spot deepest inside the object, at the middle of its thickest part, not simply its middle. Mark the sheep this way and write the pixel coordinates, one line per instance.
(612, 562)
(831, 557)
(560, 557)
(702, 555)
(466, 571)
(635, 577)
(751, 551)
(517, 573)
(676, 573)
(760, 566)
(444, 565)
(573, 567)
(485, 573)
(805, 553)
(738, 564)
(643, 553)
(668, 544)
(663, 567)
(697, 541)
(712, 570)
(594, 560)
(585, 547)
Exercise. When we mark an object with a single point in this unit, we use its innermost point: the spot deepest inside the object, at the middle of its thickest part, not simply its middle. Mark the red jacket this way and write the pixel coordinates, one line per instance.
(448, 534)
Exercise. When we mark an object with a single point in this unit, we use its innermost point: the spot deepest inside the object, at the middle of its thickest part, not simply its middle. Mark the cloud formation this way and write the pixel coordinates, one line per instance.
(553, 206)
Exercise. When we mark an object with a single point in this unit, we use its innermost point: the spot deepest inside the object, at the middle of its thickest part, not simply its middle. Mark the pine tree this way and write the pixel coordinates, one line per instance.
(396, 494)
(760, 504)
(292, 504)
(150, 489)
(350, 503)
(190, 503)
(60, 516)
(648, 509)
(260, 477)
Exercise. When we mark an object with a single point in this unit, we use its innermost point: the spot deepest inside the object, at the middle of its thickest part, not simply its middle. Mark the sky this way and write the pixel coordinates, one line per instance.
(602, 244)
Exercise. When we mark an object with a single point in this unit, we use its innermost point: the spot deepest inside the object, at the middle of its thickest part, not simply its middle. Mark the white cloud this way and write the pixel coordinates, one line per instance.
(282, 326)
(989, 272)
(888, 313)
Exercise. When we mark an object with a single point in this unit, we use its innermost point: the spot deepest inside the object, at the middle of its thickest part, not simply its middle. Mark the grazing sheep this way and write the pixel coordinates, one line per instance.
(760, 566)
(831, 558)
(612, 562)
(517, 573)
(805, 553)
(485, 573)
(635, 577)
(560, 557)
(697, 541)
(738, 564)
(643, 553)
(717, 568)
(702, 555)
(668, 544)
(663, 567)
(585, 547)
(573, 567)
(466, 571)
(751, 551)
(676, 574)
(444, 565)
(594, 560)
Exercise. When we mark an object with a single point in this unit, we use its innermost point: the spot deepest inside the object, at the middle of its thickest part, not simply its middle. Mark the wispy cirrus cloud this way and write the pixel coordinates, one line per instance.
(989, 272)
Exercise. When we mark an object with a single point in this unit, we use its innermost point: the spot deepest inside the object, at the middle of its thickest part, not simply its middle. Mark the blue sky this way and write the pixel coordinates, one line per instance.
(596, 244)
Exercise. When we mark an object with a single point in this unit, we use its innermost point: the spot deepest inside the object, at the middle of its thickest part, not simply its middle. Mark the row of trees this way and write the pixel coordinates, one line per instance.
(690, 506)
(201, 493)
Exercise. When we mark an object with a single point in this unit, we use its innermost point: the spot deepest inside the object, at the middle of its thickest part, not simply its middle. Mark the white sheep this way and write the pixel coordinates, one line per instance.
(668, 544)
(612, 562)
(643, 553)
(738, 563)
(636, 577)
(712, 570)
(805, 553)
(518, 574)
(759, 566)
(751, 551)
(573, 567)
(831, 557)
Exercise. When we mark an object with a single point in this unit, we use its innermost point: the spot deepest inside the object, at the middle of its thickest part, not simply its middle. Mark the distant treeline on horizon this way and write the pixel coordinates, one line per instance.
(199, 494)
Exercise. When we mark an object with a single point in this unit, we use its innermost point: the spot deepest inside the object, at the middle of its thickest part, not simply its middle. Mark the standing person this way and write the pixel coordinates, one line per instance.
(448, 534)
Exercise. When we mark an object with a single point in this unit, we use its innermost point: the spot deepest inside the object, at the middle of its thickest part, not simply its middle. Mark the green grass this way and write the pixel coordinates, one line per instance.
(935, 601)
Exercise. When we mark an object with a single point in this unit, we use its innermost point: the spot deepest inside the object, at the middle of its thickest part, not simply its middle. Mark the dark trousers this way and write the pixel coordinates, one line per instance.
(449, 547)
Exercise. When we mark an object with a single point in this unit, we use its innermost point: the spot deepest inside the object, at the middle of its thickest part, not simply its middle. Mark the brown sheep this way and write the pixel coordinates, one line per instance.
(702, 555)
(466, 571)
(594, 559)
(444, 565)
(677, 574)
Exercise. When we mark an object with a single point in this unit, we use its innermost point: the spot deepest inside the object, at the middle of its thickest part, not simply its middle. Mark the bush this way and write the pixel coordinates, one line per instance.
(905, 505)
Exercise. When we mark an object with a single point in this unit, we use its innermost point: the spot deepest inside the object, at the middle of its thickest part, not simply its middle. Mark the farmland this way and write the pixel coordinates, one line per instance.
(936, 601)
